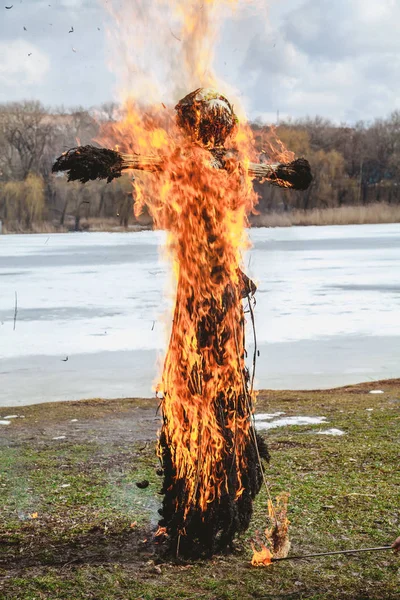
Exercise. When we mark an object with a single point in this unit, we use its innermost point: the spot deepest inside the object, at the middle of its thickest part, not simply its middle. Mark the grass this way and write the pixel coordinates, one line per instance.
(344, 215)
(12, 227)
(92, 224)
(92, 536)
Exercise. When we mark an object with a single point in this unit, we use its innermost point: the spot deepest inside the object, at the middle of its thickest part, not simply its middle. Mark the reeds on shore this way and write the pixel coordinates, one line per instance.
(343, 215)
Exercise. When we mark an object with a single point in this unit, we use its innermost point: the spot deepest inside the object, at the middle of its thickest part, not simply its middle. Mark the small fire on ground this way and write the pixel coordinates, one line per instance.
(276, 543)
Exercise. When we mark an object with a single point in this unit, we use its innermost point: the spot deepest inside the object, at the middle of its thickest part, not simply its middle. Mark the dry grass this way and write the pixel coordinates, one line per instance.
(111, 224)
(344, 215)
(104, 224)
(92, 224)
(42, 227)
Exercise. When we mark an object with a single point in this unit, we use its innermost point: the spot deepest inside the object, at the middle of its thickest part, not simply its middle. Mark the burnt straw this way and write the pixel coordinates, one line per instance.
(201, 534)
(297, 174)
(192, 532)
(87, 163)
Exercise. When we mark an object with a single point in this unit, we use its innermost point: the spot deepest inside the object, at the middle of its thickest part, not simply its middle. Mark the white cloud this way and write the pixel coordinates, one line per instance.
(344, 28)
(17, 68)
(337, 59)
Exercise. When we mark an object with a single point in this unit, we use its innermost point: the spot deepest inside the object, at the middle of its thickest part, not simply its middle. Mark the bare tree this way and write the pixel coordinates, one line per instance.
(25, 130)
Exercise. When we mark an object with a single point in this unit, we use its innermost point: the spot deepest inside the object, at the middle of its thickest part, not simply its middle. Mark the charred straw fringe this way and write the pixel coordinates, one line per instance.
(201, 533)
(87, 163)
(297, 174)
(213, 531)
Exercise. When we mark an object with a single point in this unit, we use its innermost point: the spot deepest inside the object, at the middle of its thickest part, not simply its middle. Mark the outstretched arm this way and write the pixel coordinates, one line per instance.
(86, 163)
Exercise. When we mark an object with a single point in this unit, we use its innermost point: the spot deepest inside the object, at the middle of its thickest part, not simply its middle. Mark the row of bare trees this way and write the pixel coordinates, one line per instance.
(357, 165)
(351, 165)
(31, 137)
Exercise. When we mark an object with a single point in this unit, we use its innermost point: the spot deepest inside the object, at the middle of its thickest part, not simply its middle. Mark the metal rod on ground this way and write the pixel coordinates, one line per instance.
(378, 549)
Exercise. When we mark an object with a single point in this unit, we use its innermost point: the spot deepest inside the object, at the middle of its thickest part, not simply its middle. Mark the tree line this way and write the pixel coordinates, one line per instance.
(31, 137)
(352, 166)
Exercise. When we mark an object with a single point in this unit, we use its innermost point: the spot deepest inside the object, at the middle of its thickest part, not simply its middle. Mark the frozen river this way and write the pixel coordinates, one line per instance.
(327, 310)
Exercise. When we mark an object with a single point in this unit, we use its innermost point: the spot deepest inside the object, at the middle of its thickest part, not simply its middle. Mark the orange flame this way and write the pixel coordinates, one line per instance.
(206, 222)
(272, 147)
(161, 531)
(261, 558)
(276, 533)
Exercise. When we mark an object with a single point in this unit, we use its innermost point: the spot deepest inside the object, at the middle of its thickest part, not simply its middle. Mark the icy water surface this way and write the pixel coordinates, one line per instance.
(92, 310)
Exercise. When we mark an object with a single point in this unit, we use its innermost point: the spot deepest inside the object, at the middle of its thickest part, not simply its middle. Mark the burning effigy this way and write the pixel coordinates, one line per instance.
(194, 172)
(208, 446)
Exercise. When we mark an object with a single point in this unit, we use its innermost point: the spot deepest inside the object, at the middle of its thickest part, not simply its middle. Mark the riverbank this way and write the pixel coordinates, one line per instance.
(75, 525)
(345, 215)
(92, 225)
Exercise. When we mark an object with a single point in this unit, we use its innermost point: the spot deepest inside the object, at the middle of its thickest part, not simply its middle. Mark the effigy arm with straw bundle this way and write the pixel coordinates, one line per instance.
(87, 163)
(208, 118)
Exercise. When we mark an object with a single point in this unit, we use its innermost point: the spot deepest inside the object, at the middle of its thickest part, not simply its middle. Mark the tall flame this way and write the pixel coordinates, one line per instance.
(165, 49)
(204, 365)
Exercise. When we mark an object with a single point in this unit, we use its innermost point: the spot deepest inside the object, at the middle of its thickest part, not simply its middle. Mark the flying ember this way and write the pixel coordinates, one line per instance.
(198, 187)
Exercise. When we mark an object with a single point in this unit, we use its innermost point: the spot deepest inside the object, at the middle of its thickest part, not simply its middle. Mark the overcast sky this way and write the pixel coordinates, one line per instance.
(335, 58)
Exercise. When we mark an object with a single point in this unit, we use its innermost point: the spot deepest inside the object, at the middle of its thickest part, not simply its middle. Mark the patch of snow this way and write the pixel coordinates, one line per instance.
(60, 437)
(291, 421)
(65, 485)
(267, 416)
(377, 392)
(11, 417)
(74, 420)
(369, 409)
(332, 431)
(3, 422)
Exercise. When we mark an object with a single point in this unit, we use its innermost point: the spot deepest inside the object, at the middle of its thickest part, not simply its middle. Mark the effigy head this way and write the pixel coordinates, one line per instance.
(207, 117)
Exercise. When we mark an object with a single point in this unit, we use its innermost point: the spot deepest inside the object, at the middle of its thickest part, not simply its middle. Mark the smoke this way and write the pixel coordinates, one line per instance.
(162, 50)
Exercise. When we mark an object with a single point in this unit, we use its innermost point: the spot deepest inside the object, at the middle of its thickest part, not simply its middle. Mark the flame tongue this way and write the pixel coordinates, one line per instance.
(261, 557)
(205, 441)
(276, 534)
